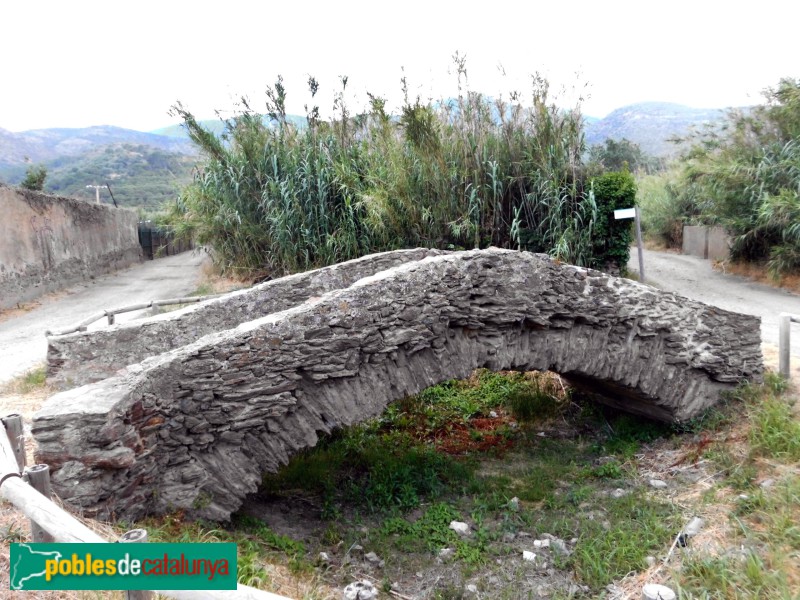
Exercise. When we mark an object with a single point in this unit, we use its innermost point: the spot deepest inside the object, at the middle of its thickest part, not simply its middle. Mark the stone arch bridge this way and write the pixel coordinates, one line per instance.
(197, 425)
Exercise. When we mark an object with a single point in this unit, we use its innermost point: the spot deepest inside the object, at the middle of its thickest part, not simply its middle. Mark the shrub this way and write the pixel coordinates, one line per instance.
(34, 178)
(746, 176)
(611, 238)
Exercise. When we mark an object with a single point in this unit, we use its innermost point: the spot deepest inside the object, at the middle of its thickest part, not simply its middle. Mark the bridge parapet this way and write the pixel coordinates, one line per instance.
(78, 358)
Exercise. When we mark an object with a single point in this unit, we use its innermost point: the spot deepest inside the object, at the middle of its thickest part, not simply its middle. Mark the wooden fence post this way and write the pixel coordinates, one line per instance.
(16, 435)
(39, 479)
(136, 536)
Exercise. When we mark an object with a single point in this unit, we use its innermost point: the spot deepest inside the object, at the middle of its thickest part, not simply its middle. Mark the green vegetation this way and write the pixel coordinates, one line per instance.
(139, 176)
(612, 238)
(664, 210)
(466, 173)
(34, 178)
(622, 155)
(393, 486)
(417, 468)
(744, 176)
(31, 381)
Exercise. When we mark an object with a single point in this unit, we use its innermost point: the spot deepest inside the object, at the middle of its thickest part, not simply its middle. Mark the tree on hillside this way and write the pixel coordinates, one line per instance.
(621, 155)
(34, 178)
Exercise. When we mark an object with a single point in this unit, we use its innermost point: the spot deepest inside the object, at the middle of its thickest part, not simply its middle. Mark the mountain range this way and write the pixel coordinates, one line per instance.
(149, 167)
(651, 125)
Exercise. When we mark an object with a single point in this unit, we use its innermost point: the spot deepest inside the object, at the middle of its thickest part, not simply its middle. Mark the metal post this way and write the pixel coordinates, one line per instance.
(16, 436)
(96, 192)
(784, 348)
(136, 536)
(639, 243)
(39, 479)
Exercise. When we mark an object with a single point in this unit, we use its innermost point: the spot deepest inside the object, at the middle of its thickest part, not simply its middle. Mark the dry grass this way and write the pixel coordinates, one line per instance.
(758, 272)
(215, 283)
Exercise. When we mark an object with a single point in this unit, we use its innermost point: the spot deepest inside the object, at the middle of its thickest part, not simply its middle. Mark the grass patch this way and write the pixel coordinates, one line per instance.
(775, 430)
(32, 381)
(742, 578)
(635, 527)
(377, 470)
(397, 478)
(394, 485)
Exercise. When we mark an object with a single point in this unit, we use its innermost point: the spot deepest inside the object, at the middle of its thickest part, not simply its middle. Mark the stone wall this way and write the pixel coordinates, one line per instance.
(49, 242)
(195, 428)
(80, 358)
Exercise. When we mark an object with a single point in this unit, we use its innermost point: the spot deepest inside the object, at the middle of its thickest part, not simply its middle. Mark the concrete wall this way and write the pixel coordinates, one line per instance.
(719, 244)
(49, 242)
(695, 240)
(79, 358)
(195, 428)
(712, 243)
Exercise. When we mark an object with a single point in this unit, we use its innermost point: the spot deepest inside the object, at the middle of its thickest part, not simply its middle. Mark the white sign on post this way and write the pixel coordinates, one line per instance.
(633, 213)
(625, 213)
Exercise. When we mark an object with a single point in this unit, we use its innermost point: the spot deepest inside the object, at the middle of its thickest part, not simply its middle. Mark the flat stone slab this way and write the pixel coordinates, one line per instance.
(195, 428)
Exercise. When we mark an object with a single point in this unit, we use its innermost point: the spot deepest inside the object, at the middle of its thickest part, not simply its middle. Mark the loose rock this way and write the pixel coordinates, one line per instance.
(655, 591)
(694, 526)
(460, 528)
(360, 590)
(446, 554)
(374, 559)
(658, 484)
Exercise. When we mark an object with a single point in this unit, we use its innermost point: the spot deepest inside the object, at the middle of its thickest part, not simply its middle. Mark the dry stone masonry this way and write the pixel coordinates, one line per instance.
(85, 357)
(196, 427)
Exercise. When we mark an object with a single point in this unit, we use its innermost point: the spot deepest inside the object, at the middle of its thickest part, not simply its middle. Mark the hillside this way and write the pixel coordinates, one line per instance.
(139, 175)
(43, 145)
(217, 126)
(650, 125)
(146, 168)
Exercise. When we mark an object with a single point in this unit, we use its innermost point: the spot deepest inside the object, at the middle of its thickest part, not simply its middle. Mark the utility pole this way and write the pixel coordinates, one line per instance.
(96, 191)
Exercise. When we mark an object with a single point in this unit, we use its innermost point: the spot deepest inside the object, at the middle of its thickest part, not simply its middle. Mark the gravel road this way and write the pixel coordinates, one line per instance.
(696, 279)
(23, 345)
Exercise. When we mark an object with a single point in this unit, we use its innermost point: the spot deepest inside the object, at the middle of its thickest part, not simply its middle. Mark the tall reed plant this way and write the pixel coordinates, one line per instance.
(274, 197)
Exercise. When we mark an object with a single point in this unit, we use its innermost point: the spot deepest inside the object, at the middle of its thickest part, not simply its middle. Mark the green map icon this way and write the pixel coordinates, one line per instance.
(28, 564)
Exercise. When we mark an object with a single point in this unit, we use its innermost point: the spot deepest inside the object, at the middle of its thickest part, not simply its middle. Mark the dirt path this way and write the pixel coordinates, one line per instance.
(695, 278)
(22, 341)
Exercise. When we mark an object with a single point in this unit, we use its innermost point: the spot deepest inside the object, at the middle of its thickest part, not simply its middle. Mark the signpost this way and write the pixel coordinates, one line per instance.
(633, 213)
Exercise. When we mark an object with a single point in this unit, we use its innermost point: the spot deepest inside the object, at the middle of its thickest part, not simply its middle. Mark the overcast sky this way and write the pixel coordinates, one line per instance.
(117, 62)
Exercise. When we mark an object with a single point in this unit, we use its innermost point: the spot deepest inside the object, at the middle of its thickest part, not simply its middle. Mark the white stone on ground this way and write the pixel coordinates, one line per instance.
(655, 591)
(459, 527)
(360, 590)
